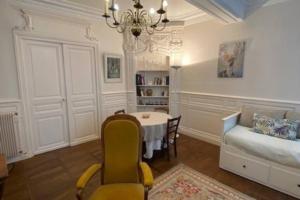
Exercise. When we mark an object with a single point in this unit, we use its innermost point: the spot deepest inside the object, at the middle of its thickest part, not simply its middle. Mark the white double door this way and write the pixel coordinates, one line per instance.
(61, 94)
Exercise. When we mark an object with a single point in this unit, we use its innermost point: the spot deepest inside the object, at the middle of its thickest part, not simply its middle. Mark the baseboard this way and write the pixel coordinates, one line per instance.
(84, 140)
(50, 148)
(200, 135)
(19, 158)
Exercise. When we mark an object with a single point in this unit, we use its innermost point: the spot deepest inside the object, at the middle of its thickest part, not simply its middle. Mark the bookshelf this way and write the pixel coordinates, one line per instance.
(152, 84)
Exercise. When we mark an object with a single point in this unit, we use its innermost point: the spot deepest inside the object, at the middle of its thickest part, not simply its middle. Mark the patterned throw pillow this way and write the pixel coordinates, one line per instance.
(281, 128)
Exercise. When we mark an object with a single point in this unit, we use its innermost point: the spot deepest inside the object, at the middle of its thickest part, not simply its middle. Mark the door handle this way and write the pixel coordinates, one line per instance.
(63, 99)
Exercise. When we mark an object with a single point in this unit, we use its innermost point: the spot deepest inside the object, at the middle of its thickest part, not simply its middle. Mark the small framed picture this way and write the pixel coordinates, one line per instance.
(112, 68)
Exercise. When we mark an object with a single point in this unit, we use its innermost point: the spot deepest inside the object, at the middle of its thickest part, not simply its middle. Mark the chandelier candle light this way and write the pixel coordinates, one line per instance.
(136, 20)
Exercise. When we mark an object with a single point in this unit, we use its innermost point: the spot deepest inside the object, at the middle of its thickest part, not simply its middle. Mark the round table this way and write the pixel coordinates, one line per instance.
(154, 130)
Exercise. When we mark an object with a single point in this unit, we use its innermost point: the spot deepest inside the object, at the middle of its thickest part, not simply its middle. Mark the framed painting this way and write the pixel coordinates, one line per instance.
(231, 59)
(113, 68)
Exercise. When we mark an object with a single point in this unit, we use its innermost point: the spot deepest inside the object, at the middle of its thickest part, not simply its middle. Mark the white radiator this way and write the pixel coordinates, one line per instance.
(8, 142)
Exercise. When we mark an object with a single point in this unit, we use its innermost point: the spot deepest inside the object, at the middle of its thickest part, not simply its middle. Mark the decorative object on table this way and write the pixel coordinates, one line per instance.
(136, 20)
(182, 182)
(132, 178)
(149, 92)
(171, 134)
(231, 59)
(281, 128)
(146, 116)
(112, 68)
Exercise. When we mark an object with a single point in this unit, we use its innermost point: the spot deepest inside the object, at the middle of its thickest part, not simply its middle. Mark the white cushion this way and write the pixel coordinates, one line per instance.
(278, 150)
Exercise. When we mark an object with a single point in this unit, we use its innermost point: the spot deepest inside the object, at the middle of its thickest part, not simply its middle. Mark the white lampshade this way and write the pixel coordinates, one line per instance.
(176, 60)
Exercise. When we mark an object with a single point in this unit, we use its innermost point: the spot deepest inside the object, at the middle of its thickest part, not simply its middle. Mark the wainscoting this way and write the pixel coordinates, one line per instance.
(14, 105)
(202, 113)
(113, 101)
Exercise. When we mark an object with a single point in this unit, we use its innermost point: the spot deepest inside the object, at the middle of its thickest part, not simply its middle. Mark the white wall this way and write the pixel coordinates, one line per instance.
(109, 41)
(272, 62)
(271, 72)
(8, 70)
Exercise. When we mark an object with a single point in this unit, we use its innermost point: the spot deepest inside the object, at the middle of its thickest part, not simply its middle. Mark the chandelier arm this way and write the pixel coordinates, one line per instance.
(150, 32)
(120, 29)
(130, 12)
(158, 21)
(143, 12)
(114, 17)
(165, 24)
(111, 26)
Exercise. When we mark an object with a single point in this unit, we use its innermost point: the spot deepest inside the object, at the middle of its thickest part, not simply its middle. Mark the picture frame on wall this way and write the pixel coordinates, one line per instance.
(231, 59)
(113, 68)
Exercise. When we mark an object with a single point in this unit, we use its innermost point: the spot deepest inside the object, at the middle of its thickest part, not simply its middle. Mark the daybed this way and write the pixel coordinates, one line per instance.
(271, 161)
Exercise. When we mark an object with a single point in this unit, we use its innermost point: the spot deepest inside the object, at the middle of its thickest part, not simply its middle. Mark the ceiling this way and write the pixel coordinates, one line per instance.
(178, 9)
(189, 11)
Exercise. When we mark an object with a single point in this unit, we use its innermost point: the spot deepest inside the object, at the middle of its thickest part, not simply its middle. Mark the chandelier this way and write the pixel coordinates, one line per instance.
(136, 20)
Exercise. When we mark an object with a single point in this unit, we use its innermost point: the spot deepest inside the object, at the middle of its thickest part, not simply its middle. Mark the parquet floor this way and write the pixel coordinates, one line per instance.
(53, 175)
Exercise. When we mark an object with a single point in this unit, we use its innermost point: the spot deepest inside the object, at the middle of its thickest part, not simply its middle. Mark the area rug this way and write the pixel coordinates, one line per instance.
(184, 183)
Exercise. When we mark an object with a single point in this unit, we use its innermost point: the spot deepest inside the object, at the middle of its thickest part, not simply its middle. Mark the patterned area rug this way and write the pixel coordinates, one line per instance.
(184, 183)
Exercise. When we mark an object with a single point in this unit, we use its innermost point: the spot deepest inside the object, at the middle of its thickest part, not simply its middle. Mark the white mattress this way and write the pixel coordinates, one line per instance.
(282, 151)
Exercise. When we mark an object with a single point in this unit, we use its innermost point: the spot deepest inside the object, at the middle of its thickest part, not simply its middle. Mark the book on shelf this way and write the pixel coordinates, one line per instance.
(139, 79)
(167, 80)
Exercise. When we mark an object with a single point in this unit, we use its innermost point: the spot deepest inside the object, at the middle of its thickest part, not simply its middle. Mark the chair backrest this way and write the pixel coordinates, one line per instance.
(120, 112)
(172, 125)
(121, 144)
(162, 109)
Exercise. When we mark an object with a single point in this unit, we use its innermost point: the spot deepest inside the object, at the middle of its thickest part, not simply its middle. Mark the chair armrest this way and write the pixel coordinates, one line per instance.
(147, 175)
(230, 121)
(87, 175)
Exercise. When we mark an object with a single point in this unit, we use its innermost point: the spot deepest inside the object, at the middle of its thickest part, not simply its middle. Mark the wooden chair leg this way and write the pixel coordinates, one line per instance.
(1, 188)
(146, 193)
(168, 150)
(175, 148)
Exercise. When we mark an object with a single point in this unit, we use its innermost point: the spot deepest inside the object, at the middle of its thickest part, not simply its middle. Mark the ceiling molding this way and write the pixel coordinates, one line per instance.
(189, 16)
(273, 2)
(83, 14)
(231, 11)
(63, 9)
(215, 10)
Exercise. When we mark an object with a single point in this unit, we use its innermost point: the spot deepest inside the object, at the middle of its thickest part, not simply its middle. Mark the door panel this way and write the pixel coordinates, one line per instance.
(45, 62)
(81, 92)
(52, 127)
(82, 71)
(46, 91)
(85, 124)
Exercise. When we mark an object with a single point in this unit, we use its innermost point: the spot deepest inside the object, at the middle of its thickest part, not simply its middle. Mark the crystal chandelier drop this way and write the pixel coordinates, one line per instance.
(136, 20)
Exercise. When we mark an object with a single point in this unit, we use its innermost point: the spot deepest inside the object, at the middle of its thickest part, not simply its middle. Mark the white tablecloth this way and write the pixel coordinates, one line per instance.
(154, 130)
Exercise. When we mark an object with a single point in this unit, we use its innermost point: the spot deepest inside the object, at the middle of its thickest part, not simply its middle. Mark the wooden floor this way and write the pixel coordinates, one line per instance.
(53, 175)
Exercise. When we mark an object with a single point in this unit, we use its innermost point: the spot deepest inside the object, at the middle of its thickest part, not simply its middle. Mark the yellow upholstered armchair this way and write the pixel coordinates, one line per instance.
(123, 175)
